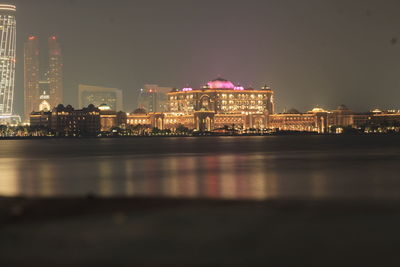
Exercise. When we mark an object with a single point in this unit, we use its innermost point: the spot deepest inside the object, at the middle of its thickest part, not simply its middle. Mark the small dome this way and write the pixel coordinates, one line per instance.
(140, 111)
(91, 107)
(69, 108)
(318, 110)
(220, 83)
(104, 107)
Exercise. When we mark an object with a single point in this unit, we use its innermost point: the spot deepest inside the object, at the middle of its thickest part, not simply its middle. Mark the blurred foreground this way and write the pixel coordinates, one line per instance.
(173, 232)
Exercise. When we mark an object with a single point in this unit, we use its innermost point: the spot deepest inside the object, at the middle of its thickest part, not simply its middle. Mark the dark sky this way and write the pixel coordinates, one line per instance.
(313, 52)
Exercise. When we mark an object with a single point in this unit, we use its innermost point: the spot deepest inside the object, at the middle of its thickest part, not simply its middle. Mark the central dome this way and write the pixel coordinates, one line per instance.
(220, 83)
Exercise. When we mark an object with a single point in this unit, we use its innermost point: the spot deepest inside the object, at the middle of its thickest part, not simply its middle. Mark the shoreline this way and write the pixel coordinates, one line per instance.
(193, 136)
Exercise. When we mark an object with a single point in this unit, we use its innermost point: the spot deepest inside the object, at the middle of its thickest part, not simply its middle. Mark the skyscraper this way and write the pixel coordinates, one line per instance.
(55, 72)
(43, 86)
(31, 75)
(8, 37)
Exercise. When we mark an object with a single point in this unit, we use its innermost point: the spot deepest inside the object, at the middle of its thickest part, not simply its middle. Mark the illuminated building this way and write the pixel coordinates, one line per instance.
(110, 118)
(153, 98)
(98, 96)
(44, 98)
(43, 87)
(7, 59)
(69, 121)
(342, 116)
(31, 75)
(139, 117)
(40, 119)
(55, 72)
(335, 121)
(222, 97)
(292, 120)
(217, 104)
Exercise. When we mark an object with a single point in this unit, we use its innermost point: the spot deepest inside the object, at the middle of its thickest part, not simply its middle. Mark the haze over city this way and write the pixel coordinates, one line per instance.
(199, 133)
(311, 52)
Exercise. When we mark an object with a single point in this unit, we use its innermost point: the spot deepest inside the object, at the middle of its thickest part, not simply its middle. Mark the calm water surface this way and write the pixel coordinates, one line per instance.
(212, 167)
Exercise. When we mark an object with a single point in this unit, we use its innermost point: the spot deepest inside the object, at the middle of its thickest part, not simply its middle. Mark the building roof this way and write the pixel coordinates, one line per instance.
(318, 110)
(220, 83)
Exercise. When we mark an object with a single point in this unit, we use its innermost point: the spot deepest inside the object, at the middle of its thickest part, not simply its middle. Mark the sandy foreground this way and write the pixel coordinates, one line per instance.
(182, 232)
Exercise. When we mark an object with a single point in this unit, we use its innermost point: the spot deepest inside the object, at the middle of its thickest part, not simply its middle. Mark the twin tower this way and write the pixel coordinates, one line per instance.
(42, 75)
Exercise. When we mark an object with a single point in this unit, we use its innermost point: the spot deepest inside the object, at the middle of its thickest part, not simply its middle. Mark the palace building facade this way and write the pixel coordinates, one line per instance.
(217, 104)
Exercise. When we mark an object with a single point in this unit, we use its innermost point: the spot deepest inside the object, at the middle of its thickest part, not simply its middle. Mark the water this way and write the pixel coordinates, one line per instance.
(312, 167)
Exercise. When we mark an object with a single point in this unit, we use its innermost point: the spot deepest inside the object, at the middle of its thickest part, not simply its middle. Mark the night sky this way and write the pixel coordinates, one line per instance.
(312, 52)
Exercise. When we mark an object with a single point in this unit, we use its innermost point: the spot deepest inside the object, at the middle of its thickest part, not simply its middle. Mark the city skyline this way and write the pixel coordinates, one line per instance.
(305, 71)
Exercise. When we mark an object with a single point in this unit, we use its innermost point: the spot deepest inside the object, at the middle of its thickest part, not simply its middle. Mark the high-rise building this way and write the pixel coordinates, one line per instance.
(55, 72)
(97, 96)
(43, 86)
(31, 75)
(153, 98)
(8, 37)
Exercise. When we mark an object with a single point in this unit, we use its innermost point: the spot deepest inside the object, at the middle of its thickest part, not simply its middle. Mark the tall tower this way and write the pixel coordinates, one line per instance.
(8, 27)
(31, 75)
(55, 72)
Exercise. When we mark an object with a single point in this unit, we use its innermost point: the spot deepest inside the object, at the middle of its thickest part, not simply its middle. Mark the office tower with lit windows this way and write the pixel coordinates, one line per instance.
(43, 86)
(55, 72)
(7, 59)
(31, 75)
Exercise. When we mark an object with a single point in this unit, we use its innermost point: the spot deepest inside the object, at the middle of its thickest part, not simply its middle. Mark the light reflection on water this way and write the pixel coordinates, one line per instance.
(207, 176)
(257, 173)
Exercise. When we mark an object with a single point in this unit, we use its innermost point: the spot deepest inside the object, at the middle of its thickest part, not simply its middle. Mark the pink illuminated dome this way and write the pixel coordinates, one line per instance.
(220, 83)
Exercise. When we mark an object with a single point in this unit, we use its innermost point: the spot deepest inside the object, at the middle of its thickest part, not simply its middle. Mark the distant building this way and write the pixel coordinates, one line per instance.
(153, 98)
(44, 96)
(67, 121)
(31, 75)
(315, 120)
(40, 119)
(43, 86)
(110, 118)
(98, 96)
(55, 72)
